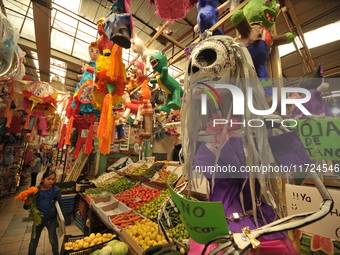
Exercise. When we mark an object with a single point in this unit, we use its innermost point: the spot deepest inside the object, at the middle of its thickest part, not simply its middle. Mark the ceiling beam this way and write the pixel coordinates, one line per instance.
(42, 26)
(54, 53)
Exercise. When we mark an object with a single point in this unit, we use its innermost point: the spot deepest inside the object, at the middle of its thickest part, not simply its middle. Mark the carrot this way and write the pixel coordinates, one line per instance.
(120, 221)
(119, 217)
(125, 225)
(131, 215)
(135, 218)
(115, 218)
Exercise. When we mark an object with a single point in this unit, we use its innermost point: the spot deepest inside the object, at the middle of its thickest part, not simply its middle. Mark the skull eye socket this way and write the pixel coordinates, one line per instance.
(206, 57)
(189, 68)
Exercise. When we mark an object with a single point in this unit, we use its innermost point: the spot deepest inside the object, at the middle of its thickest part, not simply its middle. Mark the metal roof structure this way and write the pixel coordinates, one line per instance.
(55, 35)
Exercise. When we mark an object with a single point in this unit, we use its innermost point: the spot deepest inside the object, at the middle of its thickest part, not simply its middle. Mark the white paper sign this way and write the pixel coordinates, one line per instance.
(301, 199)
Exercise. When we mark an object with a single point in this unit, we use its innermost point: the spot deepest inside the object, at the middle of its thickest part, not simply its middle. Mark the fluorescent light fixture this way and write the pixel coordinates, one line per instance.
(315, 38)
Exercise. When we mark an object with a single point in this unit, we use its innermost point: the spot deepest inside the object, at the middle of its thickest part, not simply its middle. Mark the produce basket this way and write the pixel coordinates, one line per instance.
(80, 222)
(66, 187)
(169, 175)
(152, 171)
(129, 169)
(84, 251)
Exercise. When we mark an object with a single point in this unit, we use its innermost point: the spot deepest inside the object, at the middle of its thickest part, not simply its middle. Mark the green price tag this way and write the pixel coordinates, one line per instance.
(203, 220)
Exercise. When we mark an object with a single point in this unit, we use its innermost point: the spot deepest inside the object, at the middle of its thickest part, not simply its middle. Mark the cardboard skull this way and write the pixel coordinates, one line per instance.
(210, 61)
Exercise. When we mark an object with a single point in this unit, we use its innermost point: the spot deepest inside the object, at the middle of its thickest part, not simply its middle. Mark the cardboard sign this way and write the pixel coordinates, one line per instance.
(320, 137)
(203, 220)
(302, 199)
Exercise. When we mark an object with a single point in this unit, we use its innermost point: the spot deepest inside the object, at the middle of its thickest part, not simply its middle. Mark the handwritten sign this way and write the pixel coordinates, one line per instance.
(203, 220)
(305, 199)
(320, 137)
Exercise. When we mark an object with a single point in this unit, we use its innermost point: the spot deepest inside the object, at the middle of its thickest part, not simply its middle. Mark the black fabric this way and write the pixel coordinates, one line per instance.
(33, 179)
(177, 149)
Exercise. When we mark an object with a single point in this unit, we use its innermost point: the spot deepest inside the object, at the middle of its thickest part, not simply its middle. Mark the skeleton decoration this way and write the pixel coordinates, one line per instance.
(249, 199)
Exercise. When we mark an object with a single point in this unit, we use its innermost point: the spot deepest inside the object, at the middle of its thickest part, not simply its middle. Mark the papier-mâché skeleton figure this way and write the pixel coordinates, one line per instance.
(250, 199)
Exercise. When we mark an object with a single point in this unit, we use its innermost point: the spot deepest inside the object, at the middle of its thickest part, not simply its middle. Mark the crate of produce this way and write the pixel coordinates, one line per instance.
(66, 187)
(105, 178)
(116, 187)
(130, 169)
(168, 174)
(68, 203)
(123, 220)
(150, 209)
(80, 222)
(137, 196)
(152, 170)
(133, 232)
(71, 244)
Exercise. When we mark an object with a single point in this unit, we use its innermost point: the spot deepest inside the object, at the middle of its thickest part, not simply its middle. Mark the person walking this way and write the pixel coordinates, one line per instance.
(36, 165)
(47, 195)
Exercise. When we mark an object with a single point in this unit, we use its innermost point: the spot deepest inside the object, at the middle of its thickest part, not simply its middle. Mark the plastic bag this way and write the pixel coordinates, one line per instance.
(8, 45)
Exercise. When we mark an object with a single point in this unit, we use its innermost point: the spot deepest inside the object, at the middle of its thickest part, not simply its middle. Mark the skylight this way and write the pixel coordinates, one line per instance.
(315, 38)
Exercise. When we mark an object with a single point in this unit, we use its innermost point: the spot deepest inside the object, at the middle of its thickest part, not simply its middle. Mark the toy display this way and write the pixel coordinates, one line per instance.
(104, 44)
(119, 23)
(313, 81)
(146, 110)
(231, 4)
(172, 10)
(131, 106)
(208, 15)
(139, 47)
(254, 23)
(160, 64)
(83, 95)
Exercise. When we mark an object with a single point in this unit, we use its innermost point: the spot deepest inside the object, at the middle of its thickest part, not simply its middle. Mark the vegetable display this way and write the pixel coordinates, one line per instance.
(150, 210)
(140, 170)
(145, 234)
(172, 219)
(153, 170)
(137, 196)
(130, 169)
(114, 247)
(179, 232)
(91, 240)
(116, 187)
(166, 176)
(105, 178)
(125, 219)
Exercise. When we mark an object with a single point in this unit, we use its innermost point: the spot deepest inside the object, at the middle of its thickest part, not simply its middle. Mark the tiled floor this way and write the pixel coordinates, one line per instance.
(15, 231)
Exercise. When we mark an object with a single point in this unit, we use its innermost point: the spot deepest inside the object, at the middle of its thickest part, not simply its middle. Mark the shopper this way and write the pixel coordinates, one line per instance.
(47, 195)
(177, 148)
(35, 167)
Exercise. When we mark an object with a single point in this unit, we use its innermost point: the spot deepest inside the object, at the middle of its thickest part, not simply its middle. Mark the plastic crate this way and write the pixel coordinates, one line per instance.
(66, 187)
(68, 204)
(84, 251)
(68, 218)
(80, 222)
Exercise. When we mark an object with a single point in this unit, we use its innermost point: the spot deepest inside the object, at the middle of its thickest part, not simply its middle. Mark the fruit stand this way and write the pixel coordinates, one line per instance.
(127, 201)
